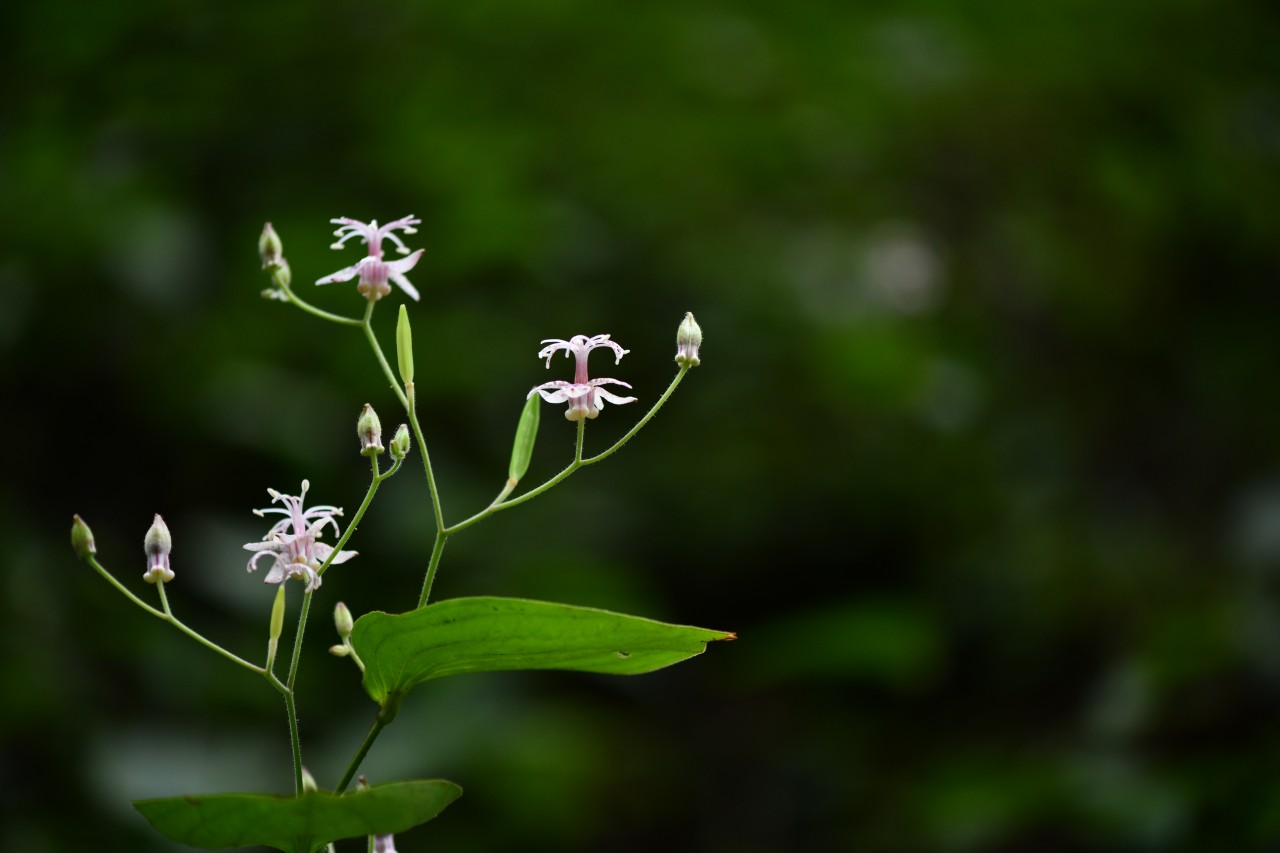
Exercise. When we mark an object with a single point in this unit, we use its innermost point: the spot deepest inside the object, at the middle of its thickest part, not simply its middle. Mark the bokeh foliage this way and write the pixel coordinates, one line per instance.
(981, 463)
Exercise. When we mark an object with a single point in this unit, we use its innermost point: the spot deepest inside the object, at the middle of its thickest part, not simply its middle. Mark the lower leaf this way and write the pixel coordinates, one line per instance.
(301, 824)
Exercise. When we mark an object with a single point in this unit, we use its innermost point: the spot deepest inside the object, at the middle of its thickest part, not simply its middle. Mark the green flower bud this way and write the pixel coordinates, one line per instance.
(526, 434)
(277, 615)
(308, 781)
(339, 651)
(404, 347)
(369, 428)
(270, 249)
(281, 275)
(342, 620)
(82, 538)
(400, 443)
(688, 339)
(158, 543)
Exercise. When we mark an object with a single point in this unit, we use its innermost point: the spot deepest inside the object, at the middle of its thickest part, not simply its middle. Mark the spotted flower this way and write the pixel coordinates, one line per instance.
(584, 396)
(373, 271)
(293, 543)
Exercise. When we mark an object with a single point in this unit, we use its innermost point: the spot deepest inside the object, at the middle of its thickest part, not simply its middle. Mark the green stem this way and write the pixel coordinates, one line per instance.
(382, 359)
(295, 741)
(436, 508)
(314, 311)
(578, 462)
(436, 550)
(166, 616)
(379, 724)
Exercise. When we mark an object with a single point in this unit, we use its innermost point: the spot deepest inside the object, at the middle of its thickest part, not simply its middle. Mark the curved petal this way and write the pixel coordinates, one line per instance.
(342, 275)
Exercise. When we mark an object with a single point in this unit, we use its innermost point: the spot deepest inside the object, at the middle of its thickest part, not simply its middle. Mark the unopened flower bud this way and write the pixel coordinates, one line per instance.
(270, 249)
(82, 538)
(158, 543)
(339, 651)
(281, 276)
(688, 339)
(309, 781)
(342, 620)
(400, 443)
(369, 428)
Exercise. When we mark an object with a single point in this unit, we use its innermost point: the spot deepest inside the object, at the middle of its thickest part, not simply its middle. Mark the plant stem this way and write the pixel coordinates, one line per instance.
(578, 462)
(290, 703)
(367, 325)
(166, 616)
(436, 550)
(379, 723)
(317, 312)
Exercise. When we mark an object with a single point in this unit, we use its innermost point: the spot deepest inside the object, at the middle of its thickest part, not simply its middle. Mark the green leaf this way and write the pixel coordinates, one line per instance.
(526, 434)
(491, 634)
(297, 824)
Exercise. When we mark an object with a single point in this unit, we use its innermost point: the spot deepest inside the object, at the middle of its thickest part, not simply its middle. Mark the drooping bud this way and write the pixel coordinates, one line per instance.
(404, 347)
(158, 543)
(342, 621)
(369, 428)
(339, 651)
(688, 339)
(82, 538)
(400, 443)
(270, 249)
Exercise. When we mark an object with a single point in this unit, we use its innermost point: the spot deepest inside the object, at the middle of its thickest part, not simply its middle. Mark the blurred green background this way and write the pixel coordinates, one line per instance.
(982, 462)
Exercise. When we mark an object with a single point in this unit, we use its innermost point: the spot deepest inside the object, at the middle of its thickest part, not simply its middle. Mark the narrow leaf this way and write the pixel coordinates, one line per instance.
(490, 634)
(526, 435)
(404, 346)
(297, 824)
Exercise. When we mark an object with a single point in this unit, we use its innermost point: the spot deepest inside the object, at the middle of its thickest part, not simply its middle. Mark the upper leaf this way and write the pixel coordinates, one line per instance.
(489, 634)
(297, 824)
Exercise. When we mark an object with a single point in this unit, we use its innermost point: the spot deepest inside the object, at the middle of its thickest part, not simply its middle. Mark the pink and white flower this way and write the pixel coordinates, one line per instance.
(373, 271)
(584, 396)
(293, 543)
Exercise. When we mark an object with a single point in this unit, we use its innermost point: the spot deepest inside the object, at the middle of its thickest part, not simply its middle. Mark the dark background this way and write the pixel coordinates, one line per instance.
(982, 462)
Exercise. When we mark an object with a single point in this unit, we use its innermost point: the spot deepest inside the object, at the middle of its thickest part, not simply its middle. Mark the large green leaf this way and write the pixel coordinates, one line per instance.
(297, 824)
(488, 634)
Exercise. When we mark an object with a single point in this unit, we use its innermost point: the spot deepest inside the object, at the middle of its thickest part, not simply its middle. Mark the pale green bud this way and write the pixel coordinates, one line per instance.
(369, 428)
(688, 339)
(277, 614)
(270, 249)
(158, 543)
(82, 538)
(400, 443)
(526, 434)
(281, 274)
(404, 347)
(342, 620)
(309, 781)
(339, 651)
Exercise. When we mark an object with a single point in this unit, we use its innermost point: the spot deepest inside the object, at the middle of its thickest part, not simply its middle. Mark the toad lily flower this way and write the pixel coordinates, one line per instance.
(293, 542)
(585, 396)
(373, 270)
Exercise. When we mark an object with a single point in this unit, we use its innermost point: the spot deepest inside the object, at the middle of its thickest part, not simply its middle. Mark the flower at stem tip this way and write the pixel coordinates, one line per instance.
(293, 543)
(584, 396)
(158, 543)
(373, 271)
